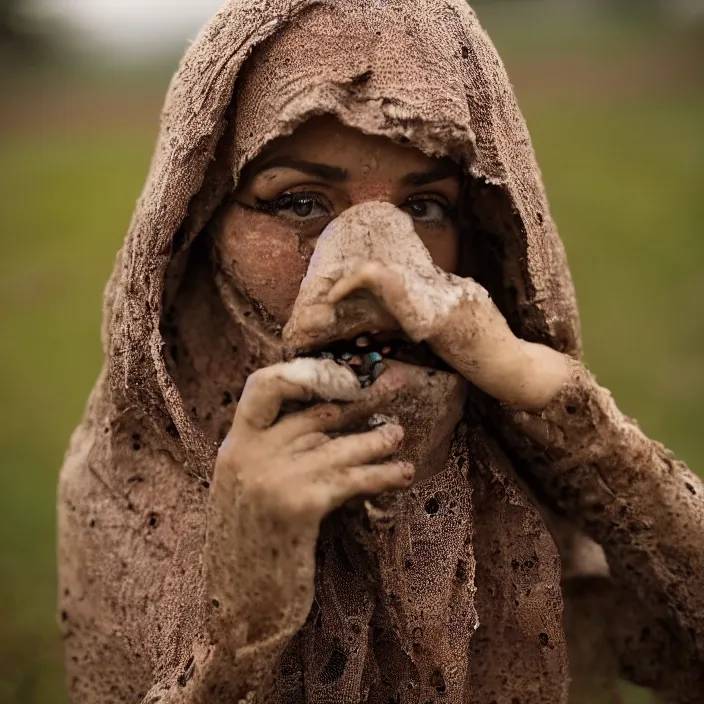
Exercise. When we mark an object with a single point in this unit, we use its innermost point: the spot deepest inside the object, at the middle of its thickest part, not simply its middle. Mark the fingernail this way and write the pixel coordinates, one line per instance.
(396, 431)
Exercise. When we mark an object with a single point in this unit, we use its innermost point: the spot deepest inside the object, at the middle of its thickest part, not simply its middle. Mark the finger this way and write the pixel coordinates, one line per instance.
(298, 380)
(306, 443)
(359, 448)
(373, 276)
(328, 417)
(317, 419)
(369, 480)
(374, 399)
(390, 287)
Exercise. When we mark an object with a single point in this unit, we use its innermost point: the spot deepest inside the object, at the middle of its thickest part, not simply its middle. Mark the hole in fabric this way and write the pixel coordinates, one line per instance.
(461, 572)
(362, 78)
(216, 603)
(335, 667)
(540, 218)
(187, 672)
(226, 398)
(544, 639)
(571, 409)
(465, 52)
(136, 446)
(153, 520)
(438, 681)
(432, 506)
(690, 488)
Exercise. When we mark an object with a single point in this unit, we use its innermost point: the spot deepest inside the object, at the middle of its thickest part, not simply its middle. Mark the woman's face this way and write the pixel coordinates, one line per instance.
(289, 194)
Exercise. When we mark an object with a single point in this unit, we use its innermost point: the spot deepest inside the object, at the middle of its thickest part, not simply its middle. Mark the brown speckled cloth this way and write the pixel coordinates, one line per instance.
(449, 592)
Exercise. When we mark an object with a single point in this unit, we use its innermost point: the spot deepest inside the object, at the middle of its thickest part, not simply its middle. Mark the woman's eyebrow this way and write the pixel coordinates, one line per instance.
(323, 171)
(438, 173)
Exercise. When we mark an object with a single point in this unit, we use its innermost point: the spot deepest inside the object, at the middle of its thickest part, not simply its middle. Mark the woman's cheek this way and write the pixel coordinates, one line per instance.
(265, 258)
(443, 246)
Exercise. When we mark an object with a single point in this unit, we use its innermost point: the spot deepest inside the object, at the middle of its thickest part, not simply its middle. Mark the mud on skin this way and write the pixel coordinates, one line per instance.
(457, 577)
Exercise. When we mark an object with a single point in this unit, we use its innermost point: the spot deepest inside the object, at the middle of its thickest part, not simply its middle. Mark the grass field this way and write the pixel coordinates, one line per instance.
(625, 180)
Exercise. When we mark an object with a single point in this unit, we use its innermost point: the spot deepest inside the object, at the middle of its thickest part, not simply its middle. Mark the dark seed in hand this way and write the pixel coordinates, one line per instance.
(374, 357)
(366, 365)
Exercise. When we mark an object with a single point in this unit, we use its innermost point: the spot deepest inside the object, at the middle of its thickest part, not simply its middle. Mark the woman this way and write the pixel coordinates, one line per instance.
(323, 463)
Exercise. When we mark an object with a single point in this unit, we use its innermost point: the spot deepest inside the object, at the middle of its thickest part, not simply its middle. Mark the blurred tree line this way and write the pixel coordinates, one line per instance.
(29, 36)
(20, 32)
(679, 10)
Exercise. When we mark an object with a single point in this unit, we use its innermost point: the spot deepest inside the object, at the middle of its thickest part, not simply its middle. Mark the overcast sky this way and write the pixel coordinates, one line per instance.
(136, 25)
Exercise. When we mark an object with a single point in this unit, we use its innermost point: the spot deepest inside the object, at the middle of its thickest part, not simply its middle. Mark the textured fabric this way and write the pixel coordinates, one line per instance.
(451, 590)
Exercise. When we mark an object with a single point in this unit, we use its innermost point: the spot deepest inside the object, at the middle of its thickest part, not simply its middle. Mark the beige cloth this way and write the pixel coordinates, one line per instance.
(139, 621)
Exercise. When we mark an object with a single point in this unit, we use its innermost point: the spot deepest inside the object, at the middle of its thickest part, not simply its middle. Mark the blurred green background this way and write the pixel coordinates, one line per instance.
(613, 95)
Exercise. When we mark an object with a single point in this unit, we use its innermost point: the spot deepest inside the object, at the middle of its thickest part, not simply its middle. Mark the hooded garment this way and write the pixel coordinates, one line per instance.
(452, 592)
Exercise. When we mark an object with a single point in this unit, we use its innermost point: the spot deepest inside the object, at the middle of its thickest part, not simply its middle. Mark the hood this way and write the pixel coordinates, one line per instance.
(422, 72)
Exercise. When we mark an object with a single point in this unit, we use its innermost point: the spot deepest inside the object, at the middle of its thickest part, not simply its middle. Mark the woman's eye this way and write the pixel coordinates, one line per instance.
(298, 206)
(426, 210)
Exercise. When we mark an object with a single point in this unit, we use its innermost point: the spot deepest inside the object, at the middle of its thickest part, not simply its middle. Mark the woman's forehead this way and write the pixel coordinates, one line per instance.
(326, 140)
(336, 58)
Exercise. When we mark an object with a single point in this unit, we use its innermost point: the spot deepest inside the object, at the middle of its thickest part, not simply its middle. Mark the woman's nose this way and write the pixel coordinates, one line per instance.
(374, 231)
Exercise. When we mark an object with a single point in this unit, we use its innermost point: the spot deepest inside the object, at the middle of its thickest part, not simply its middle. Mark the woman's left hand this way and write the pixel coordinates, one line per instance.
(461, 323)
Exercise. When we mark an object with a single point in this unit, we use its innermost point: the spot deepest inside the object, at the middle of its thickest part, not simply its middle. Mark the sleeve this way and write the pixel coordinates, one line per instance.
(644, 508)
(138, 620)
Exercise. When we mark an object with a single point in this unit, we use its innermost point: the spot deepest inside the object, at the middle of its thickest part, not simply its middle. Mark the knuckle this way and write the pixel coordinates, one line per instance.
(319, 439)
(327, 413)
(258, 376)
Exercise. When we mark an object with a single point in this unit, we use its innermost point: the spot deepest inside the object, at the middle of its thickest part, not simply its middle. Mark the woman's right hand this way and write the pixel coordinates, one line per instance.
(277, 477)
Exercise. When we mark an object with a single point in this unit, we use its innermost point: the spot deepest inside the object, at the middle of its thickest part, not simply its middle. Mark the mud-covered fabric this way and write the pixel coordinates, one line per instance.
(449, 591)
